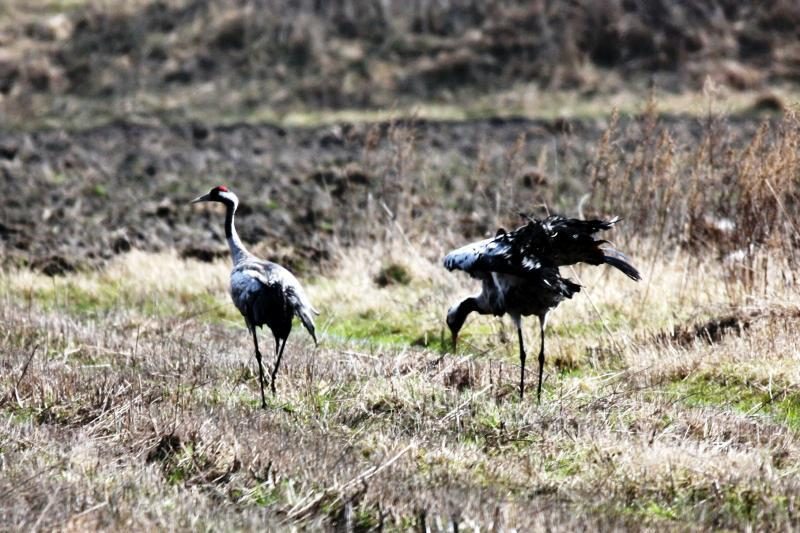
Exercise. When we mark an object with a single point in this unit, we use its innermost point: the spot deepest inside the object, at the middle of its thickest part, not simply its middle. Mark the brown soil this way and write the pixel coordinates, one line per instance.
(75, 199)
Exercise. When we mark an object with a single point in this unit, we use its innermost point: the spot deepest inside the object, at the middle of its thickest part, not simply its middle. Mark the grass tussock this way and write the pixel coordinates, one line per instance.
(724, 194)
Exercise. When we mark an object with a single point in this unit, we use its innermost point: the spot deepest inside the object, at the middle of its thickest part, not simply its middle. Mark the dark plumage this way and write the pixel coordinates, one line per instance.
(519, 272)
(264, 292)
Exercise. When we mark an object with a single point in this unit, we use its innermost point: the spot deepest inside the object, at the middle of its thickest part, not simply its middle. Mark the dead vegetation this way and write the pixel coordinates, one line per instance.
(145, 415)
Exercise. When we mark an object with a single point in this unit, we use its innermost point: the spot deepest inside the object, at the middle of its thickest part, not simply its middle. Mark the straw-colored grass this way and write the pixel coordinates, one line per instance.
(141, 410)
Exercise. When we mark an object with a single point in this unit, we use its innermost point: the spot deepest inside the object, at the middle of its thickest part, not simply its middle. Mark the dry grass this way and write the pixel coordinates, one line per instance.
(142, 412)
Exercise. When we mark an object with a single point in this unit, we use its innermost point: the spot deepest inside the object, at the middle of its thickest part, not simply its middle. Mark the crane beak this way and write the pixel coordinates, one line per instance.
(204, 198)
(455, 342)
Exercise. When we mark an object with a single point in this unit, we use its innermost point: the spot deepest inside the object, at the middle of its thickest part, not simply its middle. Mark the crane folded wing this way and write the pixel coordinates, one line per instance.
(275, 275)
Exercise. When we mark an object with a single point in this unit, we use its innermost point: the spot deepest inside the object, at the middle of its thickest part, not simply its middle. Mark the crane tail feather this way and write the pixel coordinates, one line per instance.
(308, 323)
(619, 261)
(303, 309)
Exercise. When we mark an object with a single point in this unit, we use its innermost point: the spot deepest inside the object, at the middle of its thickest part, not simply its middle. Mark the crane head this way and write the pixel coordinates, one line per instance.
(457, 315)
(455, 319)
(220, 194)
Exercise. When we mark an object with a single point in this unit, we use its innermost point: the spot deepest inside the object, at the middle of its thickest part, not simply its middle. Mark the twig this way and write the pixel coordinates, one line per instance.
(596, 310)
(87, 511)
(25, 368)
(22, 375)
(463, 404)
(397, 225)
(780, 204)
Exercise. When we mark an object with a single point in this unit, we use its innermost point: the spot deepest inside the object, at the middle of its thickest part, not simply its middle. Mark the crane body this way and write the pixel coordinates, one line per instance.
(519, 273)
(264, 292)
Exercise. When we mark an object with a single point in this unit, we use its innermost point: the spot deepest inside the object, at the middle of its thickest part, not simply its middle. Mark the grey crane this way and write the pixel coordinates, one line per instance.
(519, 273)
(264, 292)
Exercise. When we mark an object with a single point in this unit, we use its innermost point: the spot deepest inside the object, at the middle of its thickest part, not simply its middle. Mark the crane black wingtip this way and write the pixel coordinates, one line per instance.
(625, 267)
(619, 261)
(455, 260)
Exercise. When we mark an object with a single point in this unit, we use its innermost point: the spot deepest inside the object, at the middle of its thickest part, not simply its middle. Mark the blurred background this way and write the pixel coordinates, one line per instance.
(330, 115)
(272, 59)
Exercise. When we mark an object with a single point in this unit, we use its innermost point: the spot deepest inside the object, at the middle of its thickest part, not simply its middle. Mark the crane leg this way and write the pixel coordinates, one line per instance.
(522, 357)
(542, 323)
(260, 368)
(279, 354)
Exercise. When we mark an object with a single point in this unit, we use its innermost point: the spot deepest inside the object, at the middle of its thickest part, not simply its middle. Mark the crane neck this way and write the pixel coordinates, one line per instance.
(238, 251)
(457, 314)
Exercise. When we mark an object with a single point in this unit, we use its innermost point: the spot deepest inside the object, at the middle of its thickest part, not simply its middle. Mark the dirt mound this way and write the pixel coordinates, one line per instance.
(714, 330)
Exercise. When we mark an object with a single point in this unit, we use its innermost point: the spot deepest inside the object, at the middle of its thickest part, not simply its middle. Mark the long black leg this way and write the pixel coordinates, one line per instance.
(542, 322)
(277, 363)
(260, 368)
(521, 360)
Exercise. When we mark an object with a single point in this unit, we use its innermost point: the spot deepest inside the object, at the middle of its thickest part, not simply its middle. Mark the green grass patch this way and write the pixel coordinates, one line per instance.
(106, 296)
(567, 463)
(373, 328)
(730, 505)
(22, 415)
(658, 510)
(370, 329)
(263, 494)
(781, 406)
(578, 329)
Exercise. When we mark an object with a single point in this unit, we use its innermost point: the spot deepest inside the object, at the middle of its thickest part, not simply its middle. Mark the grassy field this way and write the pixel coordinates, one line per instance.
(130, 400)
(365, 143)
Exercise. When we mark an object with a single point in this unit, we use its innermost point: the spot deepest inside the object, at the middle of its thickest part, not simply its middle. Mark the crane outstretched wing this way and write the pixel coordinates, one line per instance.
(565, 241)
(553, 242)
(499, 254)
(569, 240)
